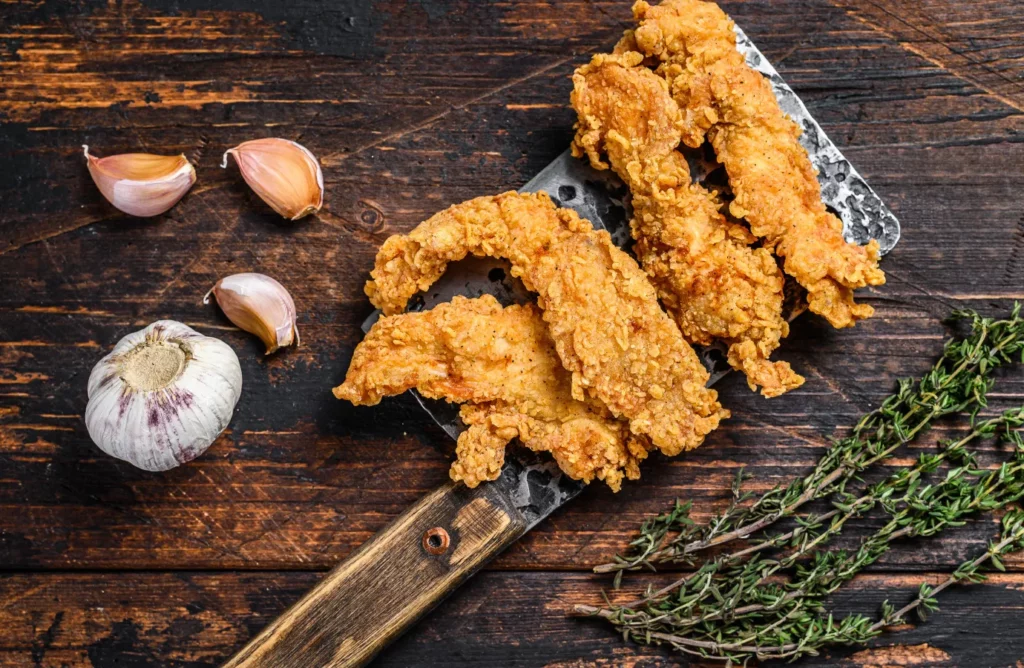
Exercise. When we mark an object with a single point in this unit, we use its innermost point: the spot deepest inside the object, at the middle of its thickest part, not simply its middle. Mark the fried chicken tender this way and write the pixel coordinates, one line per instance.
(771, 175)
(706, 274)
(602, 311)
(501, 361)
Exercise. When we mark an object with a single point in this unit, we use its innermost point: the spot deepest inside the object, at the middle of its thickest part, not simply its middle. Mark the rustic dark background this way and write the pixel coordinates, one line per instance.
(413, 105)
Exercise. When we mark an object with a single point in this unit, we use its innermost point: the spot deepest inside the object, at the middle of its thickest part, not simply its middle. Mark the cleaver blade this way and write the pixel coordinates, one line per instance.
(532, 481)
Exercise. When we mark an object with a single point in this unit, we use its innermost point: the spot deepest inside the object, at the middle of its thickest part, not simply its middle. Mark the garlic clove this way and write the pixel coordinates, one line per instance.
(259, 305)
(141, 184)
(162, 395)
(284, 174)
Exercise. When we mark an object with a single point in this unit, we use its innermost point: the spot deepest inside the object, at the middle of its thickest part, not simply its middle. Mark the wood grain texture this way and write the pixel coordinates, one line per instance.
(391, 581)
(413, 105)
(498, 618)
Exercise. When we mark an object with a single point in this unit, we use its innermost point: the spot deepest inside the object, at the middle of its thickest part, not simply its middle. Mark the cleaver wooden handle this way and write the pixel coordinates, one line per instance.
(389, 582)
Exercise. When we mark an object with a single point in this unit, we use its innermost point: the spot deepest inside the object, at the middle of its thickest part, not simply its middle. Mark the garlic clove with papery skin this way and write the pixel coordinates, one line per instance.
(162, 395)
(141, 184)
(259, 305)
(284, 174)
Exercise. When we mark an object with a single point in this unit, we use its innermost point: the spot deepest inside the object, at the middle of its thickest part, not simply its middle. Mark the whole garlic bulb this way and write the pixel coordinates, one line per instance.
(162, 395)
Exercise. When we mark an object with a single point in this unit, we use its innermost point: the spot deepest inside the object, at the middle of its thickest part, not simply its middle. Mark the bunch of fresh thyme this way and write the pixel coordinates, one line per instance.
(734, 608)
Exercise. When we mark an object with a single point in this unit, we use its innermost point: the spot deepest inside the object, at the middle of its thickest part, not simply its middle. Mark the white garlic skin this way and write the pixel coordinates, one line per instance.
(260, 305)
(162, 395)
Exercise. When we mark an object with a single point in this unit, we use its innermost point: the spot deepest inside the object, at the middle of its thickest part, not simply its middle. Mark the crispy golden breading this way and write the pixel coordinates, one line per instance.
(707, 276)
(584, 447)
(503, 363)
(602, 311)
(771, 175)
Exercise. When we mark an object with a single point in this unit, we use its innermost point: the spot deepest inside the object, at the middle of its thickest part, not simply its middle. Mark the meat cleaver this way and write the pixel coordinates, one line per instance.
(423, 555)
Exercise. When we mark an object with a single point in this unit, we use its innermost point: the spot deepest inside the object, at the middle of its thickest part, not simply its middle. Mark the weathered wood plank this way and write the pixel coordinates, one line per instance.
(413, 105)
(409, 120)
(522, 619)
(286, 498)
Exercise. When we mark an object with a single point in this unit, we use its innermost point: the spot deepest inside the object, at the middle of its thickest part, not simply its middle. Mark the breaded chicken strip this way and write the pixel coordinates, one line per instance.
(503, 363)
(707, 276)
(602, 311)
(771, 175)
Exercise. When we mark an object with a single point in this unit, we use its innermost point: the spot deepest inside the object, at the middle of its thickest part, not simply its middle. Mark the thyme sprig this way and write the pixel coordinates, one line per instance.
(1011, 540)
(809, 633)
(803, 539)
(958, 382)
(767, 600)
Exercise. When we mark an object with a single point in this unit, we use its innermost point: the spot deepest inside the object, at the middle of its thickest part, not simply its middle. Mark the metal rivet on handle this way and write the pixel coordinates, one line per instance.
(436, 541)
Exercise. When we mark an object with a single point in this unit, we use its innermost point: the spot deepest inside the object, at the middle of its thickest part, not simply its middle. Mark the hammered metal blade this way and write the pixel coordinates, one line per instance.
(534, 483)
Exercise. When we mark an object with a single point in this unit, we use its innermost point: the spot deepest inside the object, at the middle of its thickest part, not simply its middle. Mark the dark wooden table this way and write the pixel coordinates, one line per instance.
(413, 105)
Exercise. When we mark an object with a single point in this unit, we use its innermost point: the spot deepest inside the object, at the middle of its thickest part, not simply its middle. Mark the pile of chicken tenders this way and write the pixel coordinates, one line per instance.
(601, 371)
